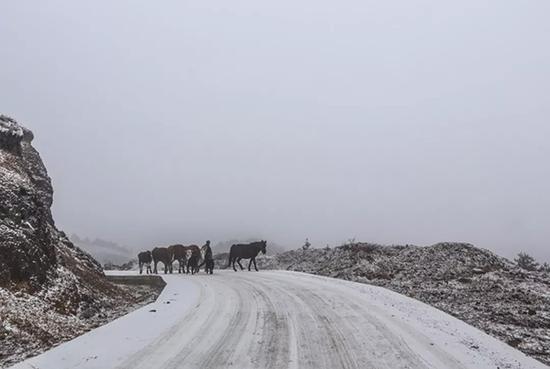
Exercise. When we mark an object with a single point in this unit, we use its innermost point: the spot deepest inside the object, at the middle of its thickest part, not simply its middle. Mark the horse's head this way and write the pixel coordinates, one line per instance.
(263, 246)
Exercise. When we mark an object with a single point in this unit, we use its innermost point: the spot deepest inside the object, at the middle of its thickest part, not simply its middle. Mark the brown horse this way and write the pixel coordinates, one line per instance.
(145, 258)
(194, 257)
(163, 255)
(179, 253)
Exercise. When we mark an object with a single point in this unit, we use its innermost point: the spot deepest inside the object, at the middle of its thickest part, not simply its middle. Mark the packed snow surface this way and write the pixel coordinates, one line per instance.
(281, 319)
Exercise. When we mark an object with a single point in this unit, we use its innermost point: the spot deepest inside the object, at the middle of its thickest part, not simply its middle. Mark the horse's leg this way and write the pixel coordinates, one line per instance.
(234, 259)
(140, 268)
(155, 269)
(239, 262)
(250, 263)
(255, 266)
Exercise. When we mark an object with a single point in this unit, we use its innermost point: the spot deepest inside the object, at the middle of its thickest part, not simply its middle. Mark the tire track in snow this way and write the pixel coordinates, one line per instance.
(339, 342)
(372, 316)
(344, 315)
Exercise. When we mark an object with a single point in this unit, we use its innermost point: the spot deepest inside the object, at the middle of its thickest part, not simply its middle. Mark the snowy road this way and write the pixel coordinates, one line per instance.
(275, 319)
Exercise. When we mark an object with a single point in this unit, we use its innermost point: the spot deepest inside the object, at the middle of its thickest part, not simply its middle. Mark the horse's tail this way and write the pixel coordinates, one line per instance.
(230, 257)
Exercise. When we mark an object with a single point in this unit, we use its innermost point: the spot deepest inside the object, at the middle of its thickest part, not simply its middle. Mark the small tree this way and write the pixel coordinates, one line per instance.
(545, 267)
(351, 241)
(307, 245)
(526, 261)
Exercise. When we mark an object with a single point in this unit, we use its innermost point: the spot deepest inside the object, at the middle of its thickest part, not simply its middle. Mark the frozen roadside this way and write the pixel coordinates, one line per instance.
(114, 342)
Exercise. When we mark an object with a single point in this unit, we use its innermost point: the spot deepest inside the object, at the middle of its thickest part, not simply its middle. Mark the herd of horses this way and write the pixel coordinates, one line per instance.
(191, 258)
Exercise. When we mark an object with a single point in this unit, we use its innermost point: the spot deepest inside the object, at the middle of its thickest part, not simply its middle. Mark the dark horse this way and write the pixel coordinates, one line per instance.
(179, 253)
(163, 255)
(194, 259)
(246, 251)
(145, 258)
(208, 262)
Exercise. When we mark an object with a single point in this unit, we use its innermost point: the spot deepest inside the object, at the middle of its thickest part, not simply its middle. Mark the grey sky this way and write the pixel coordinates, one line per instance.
(387, 121)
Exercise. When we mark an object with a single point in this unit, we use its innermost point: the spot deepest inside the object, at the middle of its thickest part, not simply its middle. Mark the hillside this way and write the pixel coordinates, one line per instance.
(106, 252)
(473, 284)
(50, 290)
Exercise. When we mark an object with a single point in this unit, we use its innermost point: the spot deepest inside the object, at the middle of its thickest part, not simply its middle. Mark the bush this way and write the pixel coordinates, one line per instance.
(526, 261)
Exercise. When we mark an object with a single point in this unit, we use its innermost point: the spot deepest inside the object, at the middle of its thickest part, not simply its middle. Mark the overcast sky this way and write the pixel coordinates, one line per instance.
(400, 121)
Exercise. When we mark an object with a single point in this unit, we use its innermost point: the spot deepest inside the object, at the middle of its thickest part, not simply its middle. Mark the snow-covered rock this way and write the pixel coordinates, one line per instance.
(50, 290)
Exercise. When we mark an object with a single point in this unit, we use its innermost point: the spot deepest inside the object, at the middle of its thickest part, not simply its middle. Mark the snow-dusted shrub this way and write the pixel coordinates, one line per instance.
(526, 261)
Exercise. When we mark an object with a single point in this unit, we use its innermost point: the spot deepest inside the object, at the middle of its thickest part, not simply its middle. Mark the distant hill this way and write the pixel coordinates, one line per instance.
(106, 252)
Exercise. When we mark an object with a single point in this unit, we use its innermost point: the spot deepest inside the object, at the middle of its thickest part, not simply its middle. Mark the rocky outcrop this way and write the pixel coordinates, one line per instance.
(50, 290)
(27, 243)
(473, 284)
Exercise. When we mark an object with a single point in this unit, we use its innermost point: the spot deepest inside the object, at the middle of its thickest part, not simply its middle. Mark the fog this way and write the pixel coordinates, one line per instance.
(393, 122)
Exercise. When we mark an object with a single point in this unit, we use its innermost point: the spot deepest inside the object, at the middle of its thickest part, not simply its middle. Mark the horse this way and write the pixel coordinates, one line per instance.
(193, 259)
(246, 251)
(163, 255)
(145, 258)
(208, 262)
(179, 253)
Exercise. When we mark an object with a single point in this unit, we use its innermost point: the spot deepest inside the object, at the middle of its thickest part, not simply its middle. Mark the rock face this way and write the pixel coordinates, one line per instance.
(27, 234)
(31, 247)
(475, 285)
(50, 290)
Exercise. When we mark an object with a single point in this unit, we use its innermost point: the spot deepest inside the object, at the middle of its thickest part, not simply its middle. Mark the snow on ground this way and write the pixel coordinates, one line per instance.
(279, 319)
(472, 284)
(112, 343)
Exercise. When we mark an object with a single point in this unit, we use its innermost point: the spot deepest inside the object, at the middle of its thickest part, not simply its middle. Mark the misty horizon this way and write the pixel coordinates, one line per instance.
(392, 123)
